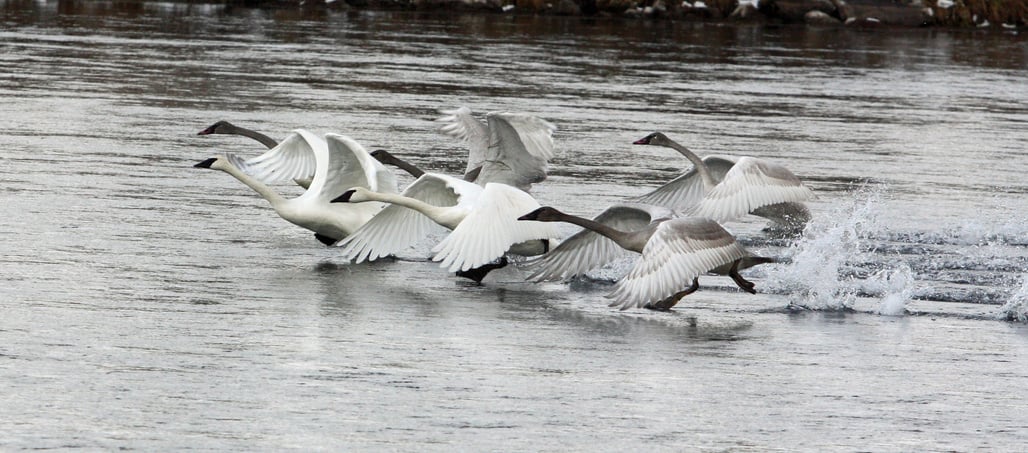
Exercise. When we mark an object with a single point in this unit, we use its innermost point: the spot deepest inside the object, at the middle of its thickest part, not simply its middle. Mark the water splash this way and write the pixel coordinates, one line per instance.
(820, 273)
(897, 288)
(1016, 309)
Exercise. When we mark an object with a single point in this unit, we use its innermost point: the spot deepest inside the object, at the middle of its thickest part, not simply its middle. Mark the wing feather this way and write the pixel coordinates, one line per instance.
(588, 250)
(679, 250)
(491, 228)
(396, 228)
(749, 185)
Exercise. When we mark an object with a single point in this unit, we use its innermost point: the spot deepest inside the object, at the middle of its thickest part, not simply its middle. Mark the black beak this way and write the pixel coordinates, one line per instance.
(642, 141)
(207, 163)
(531, 215)
(208, 131)
(344, 198)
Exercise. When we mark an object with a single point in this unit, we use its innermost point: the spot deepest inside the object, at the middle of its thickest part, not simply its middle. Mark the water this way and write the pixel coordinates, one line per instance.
(149, 305)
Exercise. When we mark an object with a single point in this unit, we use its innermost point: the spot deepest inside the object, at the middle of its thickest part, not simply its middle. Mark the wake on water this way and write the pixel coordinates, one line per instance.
(849, 254)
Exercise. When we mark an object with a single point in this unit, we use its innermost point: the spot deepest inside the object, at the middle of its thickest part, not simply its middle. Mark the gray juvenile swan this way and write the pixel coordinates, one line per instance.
(673, 251)
(724, 188)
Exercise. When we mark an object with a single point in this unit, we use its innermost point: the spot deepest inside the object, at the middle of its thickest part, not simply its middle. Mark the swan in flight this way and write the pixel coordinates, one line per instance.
(725, 188)
(304, 160)
(340, 164)
(674, 251)
(483, 223)
(508, 148)
(227, 128)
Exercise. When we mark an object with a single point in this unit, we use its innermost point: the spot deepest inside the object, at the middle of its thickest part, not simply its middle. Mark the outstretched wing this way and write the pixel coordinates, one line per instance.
(686, 191)
(491, 228)
(348, 165)
(460, 124)
(588, 250)
(395, 227)
(750, 184)
(293, 158)
(679, 250)
(519, 147)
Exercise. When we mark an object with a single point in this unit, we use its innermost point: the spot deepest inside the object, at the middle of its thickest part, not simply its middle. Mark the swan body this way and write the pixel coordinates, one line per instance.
(508, 148)
(673, 251)
(340, 163)
(482, 220)
(726, 188)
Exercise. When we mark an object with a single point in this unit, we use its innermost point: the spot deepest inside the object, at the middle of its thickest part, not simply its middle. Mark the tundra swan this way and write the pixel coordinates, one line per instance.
(341, 163)
(483, 223)
(674, 250)
(724, 188)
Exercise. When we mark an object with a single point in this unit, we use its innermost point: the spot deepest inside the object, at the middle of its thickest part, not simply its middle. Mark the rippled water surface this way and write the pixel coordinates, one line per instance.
(149, 305)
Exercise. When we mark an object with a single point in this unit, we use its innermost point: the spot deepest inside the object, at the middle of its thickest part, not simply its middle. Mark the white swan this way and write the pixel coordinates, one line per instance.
(674, 251)
(279, 163)
(340, 164)
(483, 223)
(725, 188)
(509, 148)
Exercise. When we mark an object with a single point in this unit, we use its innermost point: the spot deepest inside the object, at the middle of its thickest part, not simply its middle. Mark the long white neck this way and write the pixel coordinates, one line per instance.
(436, 213)
(262, 189)
(701, 167)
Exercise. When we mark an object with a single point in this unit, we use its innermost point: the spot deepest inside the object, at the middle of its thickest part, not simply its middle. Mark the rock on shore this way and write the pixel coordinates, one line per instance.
(1000, 14)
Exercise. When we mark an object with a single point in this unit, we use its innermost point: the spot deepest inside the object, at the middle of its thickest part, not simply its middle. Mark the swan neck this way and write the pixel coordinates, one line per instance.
(701, 167)
(618, 236)
(401, 200)
(264, 139)
(262, 189)
(407, 167)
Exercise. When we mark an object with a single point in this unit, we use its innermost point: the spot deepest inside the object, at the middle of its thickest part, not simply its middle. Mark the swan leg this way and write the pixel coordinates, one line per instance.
(479, 273)
(744, 284)
(666, 304)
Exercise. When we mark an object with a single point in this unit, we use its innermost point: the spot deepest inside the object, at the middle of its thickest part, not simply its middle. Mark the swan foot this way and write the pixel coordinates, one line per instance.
(479, 273)
(666, 304)
(744, 284)
(325, 239)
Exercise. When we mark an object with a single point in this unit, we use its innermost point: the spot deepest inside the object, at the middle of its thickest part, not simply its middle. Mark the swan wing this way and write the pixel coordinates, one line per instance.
(490, 228)
(588, 250)
(349, 165)
(396, 227)
(518, 149)
(750, 184)
(460, 124)
(686, 191)
(679, 250)
(293, 158)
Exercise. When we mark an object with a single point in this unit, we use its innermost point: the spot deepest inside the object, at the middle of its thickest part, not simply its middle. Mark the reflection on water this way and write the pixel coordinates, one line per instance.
(151, 306)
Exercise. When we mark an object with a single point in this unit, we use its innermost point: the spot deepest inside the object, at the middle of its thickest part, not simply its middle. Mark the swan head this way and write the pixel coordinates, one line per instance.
(214, 163)
(656, 139)
(221, 127)
(354, 195)
(544, 214)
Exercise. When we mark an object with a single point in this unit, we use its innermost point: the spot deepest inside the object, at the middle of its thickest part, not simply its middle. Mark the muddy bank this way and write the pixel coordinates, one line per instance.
(994, 14)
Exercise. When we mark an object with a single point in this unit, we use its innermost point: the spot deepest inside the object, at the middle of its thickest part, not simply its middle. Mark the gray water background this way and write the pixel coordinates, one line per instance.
(148, 305)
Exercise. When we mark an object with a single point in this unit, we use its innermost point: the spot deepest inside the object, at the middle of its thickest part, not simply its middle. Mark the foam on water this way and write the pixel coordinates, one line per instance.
(896, 287)
(822, 270)
(1016, 309)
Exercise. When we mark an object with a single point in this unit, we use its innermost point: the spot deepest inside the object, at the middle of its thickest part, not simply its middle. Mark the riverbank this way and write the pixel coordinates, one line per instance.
(985, 14)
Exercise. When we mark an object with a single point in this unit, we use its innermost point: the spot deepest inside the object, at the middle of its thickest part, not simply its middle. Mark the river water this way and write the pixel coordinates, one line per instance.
(148, 305)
